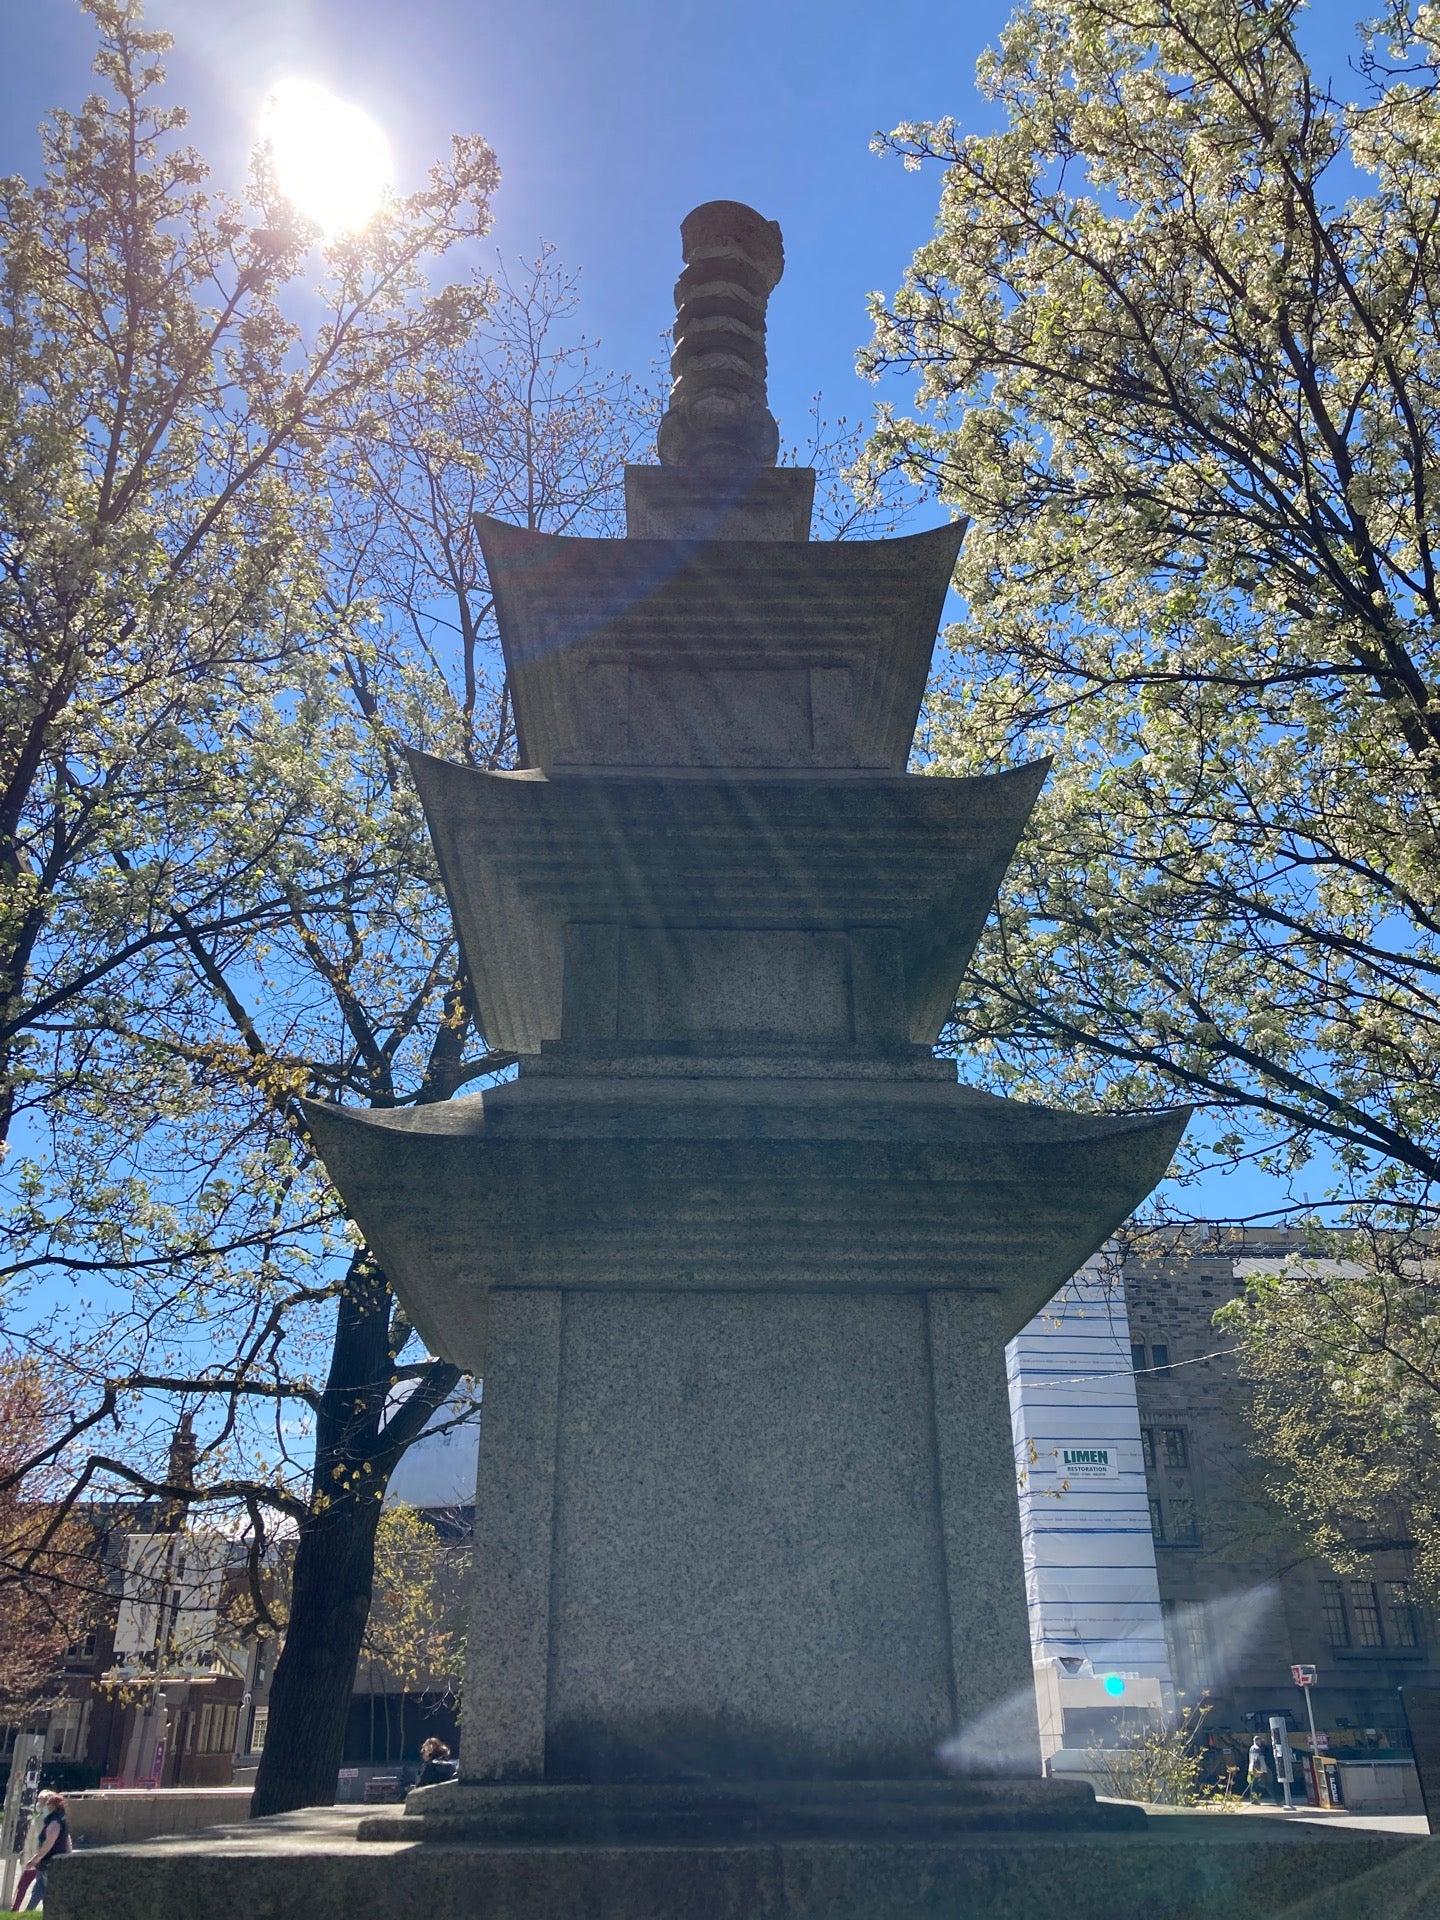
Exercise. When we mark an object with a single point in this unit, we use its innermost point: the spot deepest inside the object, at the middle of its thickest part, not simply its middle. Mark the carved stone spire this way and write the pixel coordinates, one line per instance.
(718, 421)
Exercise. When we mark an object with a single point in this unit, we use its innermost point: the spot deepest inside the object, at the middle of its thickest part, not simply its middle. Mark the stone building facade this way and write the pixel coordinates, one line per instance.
(1154, 1554)
(1241, 1601)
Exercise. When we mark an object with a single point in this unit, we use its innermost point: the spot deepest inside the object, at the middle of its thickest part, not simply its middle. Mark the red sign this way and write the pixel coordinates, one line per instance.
(1303, 1676)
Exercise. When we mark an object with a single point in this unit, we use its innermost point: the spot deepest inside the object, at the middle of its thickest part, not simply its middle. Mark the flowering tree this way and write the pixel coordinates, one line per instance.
(1190, 399)
(168, 433)
(415, 1636)
(1176, 355)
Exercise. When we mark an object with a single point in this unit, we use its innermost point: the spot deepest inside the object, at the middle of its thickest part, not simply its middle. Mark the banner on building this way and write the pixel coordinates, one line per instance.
(1087, 1462)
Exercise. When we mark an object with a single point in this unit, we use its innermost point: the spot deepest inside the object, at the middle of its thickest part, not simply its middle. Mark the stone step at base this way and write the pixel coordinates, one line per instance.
(721, 1813)
(1203, 1867)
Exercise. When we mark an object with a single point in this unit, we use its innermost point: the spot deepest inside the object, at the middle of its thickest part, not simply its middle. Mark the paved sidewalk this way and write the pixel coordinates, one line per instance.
(1411, 1826)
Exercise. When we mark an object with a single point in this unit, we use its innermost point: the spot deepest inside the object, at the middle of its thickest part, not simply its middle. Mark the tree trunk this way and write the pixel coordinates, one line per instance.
(356, 1448)
(315, 1674)
(334, 1560)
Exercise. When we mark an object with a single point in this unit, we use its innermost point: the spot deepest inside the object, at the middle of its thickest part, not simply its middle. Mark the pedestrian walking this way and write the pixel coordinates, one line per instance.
(1257, 1771)
(54, 1838)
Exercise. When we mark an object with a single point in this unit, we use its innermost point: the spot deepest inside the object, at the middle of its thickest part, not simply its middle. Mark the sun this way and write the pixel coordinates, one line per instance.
(331, 160)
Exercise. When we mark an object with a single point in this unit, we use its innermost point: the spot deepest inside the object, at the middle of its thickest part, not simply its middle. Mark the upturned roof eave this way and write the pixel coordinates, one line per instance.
(449, 1212)
(612, 854)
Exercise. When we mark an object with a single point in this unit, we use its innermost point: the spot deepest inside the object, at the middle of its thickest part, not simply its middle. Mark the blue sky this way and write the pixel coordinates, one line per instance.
(611, 118)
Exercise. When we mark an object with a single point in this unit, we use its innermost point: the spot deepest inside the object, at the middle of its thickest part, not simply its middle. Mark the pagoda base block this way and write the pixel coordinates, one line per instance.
(1167, 1867)
(727, 1813)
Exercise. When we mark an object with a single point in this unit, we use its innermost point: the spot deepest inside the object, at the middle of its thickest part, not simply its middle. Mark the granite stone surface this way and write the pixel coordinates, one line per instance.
(524, 858)
(507, 1647)
(989, 1627)
(751, 1526)
(719, 1812)
(741, 654)
(1179, 1868)
(681, 1184)
(747, 1576)
(718, 421)
(671, 503)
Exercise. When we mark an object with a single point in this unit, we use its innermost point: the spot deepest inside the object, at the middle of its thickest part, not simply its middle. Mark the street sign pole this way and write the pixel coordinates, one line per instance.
(1305, 1678)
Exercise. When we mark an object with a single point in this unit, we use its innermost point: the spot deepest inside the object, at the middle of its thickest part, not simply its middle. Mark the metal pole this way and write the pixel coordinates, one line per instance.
(1320, 1796)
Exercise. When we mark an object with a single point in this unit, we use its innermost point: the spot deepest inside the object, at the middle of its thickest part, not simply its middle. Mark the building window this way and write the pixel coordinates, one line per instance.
(1174, 1451)
(1365, 1614)
(1189, 1655)
(65, 1725)
(1137, 1355)
(1401, 1626)
(257, 1729)
(1157, 1520)
(1184, 1528)
(1160, 1360)
(1337, 1627)
(1147, 1446)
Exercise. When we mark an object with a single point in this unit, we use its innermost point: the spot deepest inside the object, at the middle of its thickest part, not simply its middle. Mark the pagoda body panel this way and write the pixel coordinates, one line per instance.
(736, 1254)
(732, 654)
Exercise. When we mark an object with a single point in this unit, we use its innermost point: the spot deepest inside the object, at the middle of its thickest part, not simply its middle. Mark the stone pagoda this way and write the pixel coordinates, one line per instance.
(737, 1258)
(735, 1254)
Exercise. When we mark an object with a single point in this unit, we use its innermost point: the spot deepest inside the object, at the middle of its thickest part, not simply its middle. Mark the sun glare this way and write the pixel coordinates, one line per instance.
(332, 162)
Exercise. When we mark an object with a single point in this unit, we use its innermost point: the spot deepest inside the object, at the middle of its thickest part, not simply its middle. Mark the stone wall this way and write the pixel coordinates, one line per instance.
(116, 1816)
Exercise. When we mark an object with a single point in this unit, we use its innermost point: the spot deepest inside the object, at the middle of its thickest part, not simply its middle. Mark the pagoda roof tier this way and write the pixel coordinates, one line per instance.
(738, 653)
(525, 861)
(767, 1187)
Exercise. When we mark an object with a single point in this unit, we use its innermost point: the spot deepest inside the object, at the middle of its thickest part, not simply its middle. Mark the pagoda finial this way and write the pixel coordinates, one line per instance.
(718, 420)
